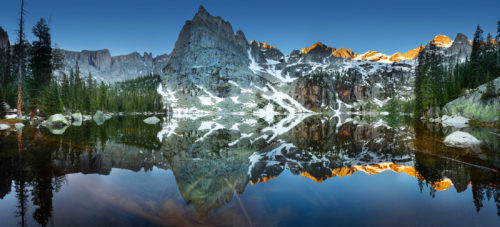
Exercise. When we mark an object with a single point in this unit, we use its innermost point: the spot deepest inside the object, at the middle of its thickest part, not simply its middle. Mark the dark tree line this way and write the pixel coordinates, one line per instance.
(31, 65)
(77, 94)
(437, 83)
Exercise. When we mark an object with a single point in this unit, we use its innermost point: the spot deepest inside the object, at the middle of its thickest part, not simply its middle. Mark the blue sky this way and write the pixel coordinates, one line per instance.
(124, 26)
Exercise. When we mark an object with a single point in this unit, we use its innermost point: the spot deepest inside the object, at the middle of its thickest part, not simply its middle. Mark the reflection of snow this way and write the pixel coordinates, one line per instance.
(380, 123)
(243, 135)
(209, 125)
(167, 130)
(267, 113)
(285, 125)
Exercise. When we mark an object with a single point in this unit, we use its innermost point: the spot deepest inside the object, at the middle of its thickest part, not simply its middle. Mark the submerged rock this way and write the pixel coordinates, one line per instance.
(461, 139)
(99, 117)
(4, 127)
(152, 120)
(77, 119)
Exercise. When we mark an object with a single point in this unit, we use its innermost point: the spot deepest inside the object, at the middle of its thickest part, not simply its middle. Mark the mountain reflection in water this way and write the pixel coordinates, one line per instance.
(196, 170)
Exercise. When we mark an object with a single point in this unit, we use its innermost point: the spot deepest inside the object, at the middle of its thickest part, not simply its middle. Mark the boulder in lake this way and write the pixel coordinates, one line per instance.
(461, 139)
(56, 121)
(4, 127)
(77, 117)
(152, 120)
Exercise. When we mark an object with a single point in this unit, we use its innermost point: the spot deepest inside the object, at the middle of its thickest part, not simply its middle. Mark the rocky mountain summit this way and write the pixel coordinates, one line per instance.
(212, 68)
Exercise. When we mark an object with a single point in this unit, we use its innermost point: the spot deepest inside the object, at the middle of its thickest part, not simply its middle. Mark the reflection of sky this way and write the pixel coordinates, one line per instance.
(361, 199)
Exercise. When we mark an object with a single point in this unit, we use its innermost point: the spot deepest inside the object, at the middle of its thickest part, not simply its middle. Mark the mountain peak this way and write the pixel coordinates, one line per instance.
(441, 41)
(202, 11)
(343, 53)
(317, 46)
(262, 44)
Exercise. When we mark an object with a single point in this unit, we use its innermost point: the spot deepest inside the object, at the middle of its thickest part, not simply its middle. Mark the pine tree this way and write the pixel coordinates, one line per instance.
(88, 94)
(475, 57)
(51, 102)
(71, 94)
(40, 62)
(65, 91)
(102, 95)
(20, 62)
(3, 111)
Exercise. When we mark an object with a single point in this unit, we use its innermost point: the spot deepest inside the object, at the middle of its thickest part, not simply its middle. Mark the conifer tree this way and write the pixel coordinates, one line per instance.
(3, 111)
(20, 62)
(65, 91)
(475, 57)
(40, 62)
(51, 102)
(102, 96)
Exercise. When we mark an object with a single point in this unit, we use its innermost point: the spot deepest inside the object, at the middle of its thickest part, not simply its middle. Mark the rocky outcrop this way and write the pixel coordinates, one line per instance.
(473, 106)
(262, 51)
(109, 68)
(460, 49)
(4, 39)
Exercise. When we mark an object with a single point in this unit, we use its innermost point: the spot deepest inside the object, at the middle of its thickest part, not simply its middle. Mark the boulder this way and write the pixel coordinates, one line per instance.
(461, 139)
(4, 127)
(152, 120)
(56, 121)
(107, 116)
(77, 117)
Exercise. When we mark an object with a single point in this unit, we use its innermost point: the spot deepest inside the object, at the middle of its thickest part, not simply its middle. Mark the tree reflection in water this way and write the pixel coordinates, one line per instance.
(212, 158)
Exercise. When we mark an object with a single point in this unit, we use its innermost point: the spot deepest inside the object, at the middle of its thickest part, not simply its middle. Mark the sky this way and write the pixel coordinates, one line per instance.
(125, 26)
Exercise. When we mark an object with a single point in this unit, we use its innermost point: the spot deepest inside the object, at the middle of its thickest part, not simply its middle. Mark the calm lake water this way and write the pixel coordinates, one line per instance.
(246, 171)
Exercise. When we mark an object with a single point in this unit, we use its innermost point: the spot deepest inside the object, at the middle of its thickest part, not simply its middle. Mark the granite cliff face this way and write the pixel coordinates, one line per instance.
(208, 53)
(109, 68)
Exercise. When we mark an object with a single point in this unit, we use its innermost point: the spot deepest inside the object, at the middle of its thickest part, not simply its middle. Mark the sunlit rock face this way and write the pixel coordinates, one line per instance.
(267, 51)
(208, 53)
(109, 68)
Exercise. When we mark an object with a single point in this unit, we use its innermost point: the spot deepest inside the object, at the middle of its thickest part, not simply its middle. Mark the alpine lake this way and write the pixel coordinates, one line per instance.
(234, 170)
